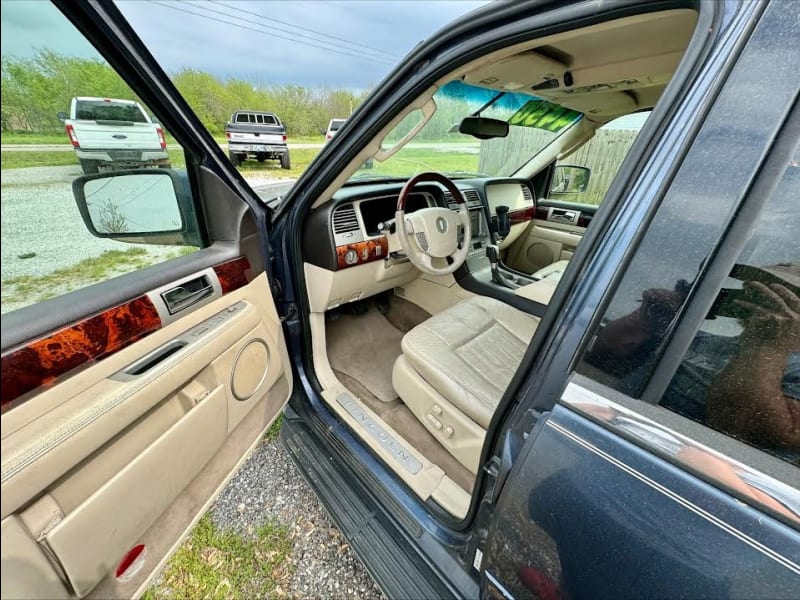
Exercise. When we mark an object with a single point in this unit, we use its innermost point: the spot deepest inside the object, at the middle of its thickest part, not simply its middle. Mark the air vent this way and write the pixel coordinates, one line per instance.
(471, 196)
(344, 219)
(526, 193)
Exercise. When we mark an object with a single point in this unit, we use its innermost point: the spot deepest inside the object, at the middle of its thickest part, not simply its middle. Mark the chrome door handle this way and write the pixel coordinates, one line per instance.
(188, 293)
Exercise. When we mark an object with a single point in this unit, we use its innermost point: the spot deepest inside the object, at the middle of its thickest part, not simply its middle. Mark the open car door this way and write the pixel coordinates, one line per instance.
(127, 404)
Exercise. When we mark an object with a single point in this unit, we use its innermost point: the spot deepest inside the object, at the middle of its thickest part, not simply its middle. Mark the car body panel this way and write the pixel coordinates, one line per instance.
(586, 501)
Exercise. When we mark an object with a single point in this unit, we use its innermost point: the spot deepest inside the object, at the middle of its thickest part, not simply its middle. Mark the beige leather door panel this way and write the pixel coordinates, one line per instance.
(543, 243)
(93, 462)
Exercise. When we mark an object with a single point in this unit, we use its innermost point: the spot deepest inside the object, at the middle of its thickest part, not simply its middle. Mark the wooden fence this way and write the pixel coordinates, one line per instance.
(603, 154)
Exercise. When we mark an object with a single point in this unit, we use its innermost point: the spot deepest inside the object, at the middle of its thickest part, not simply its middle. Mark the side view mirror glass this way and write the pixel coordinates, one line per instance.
(570, 179)
(483, 128)
(145, 206)
(62, 116)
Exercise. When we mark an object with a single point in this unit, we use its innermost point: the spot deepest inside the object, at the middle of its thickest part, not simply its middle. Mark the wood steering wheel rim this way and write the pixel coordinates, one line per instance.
(428, 177)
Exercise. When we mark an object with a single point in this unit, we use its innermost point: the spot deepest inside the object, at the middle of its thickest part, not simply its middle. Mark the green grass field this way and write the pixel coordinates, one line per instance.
(405, 162)
(21, 139)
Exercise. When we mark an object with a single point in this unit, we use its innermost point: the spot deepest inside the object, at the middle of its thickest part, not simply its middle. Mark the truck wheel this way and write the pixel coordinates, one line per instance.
(285, 162)
(235, 159)
(90, 167)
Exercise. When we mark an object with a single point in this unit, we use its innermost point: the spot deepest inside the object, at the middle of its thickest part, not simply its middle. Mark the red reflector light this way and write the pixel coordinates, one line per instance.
(71, 133)
(161, 139)
(131, 562)
(330, 137)
(228, 134)
(284, 138)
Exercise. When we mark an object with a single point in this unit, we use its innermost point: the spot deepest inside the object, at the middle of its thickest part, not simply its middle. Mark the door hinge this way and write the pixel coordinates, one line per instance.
(291, 313)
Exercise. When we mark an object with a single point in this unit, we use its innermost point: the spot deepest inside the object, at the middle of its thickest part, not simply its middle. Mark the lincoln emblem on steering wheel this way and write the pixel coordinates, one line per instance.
(429, 236)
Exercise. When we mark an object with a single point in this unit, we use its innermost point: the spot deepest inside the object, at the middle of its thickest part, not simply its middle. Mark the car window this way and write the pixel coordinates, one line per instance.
(741, 373)
(109, 110)
(584, 176)
(242, 118)
(47, 250)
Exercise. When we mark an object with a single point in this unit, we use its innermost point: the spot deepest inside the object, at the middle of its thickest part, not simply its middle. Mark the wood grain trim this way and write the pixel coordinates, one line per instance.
(41, 362)
(521, 215)
(233, 274)
(367, 251)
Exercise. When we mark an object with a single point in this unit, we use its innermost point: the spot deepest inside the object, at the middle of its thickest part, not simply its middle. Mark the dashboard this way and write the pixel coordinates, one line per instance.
(344, 232)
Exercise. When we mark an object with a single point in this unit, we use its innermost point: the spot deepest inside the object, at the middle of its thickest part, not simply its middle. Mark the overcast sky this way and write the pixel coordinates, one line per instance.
(342, 43)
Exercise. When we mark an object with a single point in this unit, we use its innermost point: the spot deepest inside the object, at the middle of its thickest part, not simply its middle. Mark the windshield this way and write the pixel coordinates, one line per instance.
(437, 145)
(108, 110)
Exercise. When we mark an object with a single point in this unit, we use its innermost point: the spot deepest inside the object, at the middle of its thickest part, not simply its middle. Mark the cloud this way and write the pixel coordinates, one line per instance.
(351, 44)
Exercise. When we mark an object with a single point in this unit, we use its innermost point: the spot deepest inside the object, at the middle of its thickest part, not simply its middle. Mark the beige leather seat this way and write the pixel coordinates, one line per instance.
(455, 367)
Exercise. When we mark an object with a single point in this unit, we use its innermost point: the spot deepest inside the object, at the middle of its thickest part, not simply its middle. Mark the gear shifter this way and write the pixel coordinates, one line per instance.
(493, 254)
(503, 222)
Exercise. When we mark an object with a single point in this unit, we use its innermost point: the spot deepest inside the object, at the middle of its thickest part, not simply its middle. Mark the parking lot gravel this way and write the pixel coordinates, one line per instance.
(269, 486)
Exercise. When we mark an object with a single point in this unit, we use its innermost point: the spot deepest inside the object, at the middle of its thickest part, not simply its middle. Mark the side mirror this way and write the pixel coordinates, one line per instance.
(483, 128)
(62, 116)
(144, 206)
(570, 179)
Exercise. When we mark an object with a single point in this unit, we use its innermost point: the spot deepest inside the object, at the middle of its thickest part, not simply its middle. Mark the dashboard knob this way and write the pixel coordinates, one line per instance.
(351, 257)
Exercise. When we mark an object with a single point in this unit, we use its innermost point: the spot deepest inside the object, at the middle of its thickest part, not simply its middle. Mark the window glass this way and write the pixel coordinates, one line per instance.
(741, 374)
(242, 118)
(67, 113)
(585, 175)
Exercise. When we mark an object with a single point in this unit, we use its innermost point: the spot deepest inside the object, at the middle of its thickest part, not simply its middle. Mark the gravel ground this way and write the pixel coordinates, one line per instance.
(41, 218)
(60, 238)
(269, 486)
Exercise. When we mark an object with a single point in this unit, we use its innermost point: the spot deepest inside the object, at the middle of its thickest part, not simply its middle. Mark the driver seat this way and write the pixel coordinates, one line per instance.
(455, 367)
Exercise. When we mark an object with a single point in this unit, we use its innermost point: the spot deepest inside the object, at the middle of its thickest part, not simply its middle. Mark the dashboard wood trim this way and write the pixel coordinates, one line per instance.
(366, 251)
(522, 215)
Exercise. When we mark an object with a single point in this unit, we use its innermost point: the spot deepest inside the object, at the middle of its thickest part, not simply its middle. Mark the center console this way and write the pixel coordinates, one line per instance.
(481, 236)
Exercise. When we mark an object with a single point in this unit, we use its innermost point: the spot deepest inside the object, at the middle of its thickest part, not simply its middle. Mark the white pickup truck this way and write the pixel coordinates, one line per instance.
(108, 133)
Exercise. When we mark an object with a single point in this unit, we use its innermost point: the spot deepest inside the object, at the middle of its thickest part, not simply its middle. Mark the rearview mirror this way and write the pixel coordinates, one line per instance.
(483, 128)
(62, 116)
(570, 179)
(144, 206)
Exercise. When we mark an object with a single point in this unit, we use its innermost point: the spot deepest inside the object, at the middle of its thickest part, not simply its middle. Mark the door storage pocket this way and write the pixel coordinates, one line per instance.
(90, 540)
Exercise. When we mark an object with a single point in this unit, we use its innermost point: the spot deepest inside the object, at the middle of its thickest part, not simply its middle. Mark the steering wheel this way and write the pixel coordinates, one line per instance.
(429, 236)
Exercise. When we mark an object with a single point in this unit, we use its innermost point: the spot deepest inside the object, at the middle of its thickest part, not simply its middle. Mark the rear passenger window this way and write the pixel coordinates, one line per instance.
(741, 373)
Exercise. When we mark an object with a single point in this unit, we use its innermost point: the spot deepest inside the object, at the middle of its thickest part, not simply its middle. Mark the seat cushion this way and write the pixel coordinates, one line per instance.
(470, 352)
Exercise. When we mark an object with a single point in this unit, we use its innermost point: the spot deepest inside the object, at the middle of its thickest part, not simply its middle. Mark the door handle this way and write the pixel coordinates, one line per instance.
(188, 293)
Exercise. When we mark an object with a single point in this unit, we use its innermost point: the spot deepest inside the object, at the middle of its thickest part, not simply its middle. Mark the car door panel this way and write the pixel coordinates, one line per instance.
(122, 410)
(552, 235)
(624, 505)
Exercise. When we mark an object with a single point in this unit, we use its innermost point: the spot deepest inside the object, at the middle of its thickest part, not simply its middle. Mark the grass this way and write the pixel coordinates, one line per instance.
(28, 289)
(404, 162)
(21, 160)
(426, 159)
(214, 564)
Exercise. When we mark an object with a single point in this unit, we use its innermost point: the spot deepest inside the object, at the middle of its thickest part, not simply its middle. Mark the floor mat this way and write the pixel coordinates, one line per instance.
(365, 347)
(362, 350)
